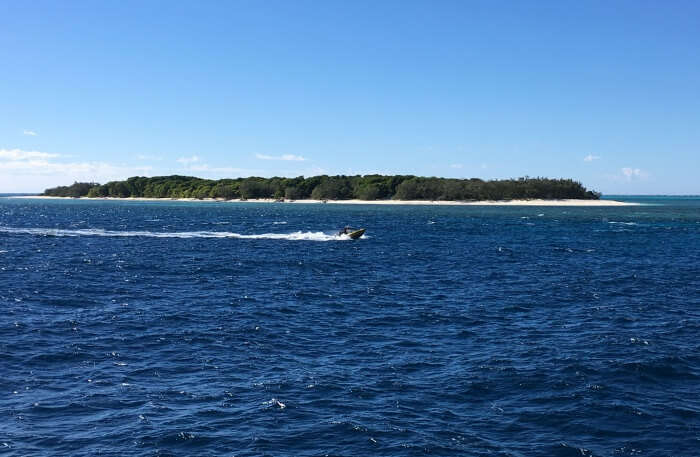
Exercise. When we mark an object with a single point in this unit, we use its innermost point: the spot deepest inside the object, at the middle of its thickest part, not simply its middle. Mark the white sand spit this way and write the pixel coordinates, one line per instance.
(533, 202)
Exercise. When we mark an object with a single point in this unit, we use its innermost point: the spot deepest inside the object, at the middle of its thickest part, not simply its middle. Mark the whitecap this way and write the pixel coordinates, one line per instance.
(639, 341)
(275, 403)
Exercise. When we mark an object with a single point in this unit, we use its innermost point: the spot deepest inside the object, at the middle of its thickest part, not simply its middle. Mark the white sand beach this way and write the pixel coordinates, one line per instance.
(533, 202)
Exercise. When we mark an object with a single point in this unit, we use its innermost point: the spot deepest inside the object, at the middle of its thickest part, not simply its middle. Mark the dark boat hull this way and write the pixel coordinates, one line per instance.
(356, 234)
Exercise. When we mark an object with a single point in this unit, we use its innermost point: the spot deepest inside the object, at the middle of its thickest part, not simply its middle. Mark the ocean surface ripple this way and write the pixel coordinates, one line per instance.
(180, 329)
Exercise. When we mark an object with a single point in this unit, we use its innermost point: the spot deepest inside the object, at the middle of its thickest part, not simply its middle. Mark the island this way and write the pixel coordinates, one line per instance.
(378, 189)
(367, 187)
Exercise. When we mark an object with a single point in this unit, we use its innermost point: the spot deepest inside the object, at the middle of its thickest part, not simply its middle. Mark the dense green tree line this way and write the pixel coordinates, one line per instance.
(77, 189)
(368, 187)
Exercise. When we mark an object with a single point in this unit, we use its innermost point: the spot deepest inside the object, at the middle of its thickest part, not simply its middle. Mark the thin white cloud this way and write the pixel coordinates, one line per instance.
(188, 160)
(457, 165)
(19, 154)
(288, 157)
(293, 157)
(71, 169)
(148, 157)
(590, 158)
(29, 133)
(195, 165)
(34, 171)
(633, 173)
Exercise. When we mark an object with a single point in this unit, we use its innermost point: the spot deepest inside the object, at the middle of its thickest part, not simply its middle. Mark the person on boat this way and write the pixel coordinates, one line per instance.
(344, 231)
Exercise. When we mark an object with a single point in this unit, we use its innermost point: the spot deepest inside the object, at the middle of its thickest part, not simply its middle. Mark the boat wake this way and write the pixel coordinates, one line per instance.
(294, 236)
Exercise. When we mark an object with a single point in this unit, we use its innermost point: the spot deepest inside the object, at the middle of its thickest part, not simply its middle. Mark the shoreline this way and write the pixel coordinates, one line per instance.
(533, 202)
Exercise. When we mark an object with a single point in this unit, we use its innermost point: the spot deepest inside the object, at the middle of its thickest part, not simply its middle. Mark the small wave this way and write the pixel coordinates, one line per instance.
(279, 222)
(294, 236)
(623, 223)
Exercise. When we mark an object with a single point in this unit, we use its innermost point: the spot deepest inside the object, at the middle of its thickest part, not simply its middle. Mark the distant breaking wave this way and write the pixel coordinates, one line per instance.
(294, 236)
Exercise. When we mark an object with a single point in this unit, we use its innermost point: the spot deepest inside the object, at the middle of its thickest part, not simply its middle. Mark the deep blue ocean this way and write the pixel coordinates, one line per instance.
(246, 329)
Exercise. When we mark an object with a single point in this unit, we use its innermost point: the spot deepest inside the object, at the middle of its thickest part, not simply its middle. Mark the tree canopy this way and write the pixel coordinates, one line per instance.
(367, 187)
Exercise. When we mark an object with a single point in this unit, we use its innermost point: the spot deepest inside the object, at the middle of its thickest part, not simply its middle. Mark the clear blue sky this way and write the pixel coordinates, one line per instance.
(604, 92)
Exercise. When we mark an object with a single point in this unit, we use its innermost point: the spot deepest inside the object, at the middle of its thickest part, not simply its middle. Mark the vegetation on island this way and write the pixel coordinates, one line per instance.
(367, 187)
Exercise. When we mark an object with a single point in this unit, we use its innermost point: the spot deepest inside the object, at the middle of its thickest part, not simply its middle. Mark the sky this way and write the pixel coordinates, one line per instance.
(606, 93)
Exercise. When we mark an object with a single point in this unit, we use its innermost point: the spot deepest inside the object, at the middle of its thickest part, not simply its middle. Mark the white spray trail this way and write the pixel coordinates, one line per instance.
(294, 236)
